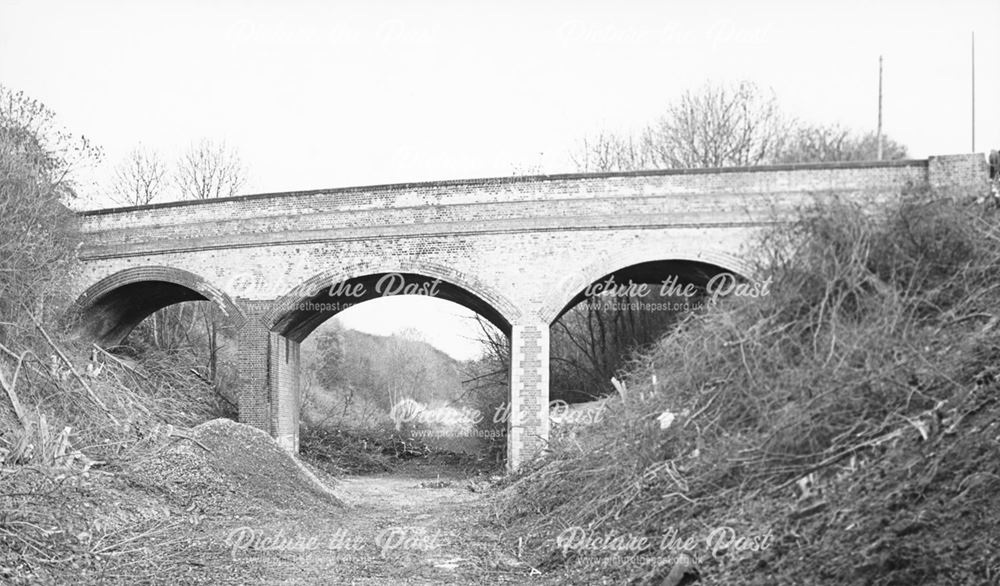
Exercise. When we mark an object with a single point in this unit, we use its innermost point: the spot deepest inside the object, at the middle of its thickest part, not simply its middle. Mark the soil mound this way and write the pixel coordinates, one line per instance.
(225, 465)
(164, 511)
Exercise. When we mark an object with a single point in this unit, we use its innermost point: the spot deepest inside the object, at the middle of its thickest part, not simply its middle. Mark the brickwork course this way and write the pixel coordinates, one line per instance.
(517, 250)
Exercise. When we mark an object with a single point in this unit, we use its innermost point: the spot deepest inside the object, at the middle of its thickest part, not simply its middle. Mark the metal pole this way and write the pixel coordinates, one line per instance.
(879, 133)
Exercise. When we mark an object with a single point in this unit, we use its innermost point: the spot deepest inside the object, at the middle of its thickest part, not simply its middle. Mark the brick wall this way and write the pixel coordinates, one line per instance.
(529, 415)
(958, 175)
(284, 393)
(254, 364)
(523, 247)
(483, 205)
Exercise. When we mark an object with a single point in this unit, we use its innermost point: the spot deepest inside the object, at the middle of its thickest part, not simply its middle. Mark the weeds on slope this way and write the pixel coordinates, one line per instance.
(879, 324)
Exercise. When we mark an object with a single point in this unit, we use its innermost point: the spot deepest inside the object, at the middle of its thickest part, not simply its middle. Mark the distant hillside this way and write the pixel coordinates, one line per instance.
(353, 372)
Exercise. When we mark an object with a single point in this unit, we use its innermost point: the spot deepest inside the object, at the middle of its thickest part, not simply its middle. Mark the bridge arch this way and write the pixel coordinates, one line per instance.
(294, 316)
(645, 261)
(107, 311)
(291, 317)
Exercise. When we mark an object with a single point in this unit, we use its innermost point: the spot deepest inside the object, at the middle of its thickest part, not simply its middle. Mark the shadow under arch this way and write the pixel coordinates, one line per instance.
(296, 314)
(696, 267)
(111, 308)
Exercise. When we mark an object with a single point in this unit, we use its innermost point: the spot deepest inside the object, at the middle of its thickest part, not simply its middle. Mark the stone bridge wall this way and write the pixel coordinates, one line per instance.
(522, 247)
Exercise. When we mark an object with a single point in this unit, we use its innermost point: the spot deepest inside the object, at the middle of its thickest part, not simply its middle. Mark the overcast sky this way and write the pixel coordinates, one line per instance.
(328, 94)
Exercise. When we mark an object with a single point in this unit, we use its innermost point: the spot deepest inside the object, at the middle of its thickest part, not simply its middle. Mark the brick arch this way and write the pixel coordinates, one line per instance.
(570, 287)
(109, 309)
(482, 298)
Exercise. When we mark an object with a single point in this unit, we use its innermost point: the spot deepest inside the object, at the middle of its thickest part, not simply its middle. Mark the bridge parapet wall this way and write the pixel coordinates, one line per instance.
(958, 175)
(508, 198)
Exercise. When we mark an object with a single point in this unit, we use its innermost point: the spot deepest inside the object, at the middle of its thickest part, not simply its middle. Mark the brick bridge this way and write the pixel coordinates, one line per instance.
(517, 250)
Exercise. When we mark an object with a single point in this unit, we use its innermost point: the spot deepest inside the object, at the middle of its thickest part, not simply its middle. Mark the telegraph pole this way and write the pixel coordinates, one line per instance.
(879, 132)
(973, 91)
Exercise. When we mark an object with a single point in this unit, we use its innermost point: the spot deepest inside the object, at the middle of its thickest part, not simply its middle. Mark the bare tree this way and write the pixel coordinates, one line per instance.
(209, 170)
(36, 229)
(715, 126)
(610, 152)
(139, 178)
(591, 341)
(30, 125)
(818, 143)
(719, 126)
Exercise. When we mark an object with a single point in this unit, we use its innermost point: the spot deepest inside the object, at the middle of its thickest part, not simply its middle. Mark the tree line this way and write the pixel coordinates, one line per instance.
(350, 378)
(207, 169)
(736, 125)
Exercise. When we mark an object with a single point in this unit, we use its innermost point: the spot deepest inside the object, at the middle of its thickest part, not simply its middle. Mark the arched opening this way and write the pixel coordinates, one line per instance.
(382, 390)
(174, 333)
(298, 315)
(663, 278)
(619, 310)
(110, 309)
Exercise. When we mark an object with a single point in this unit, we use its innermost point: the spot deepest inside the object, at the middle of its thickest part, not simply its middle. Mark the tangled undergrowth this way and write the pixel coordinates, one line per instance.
(343, 451)
(61, 408)
(75, 454)
(841, 430)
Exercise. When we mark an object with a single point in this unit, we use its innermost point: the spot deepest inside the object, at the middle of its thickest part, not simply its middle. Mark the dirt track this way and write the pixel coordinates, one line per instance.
(411, 528)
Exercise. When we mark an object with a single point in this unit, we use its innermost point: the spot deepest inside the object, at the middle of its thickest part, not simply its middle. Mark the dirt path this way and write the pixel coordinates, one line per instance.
(410, 528)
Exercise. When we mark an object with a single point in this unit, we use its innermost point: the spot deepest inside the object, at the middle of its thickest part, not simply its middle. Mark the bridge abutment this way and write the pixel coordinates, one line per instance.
(269, 378)
(285, 392)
